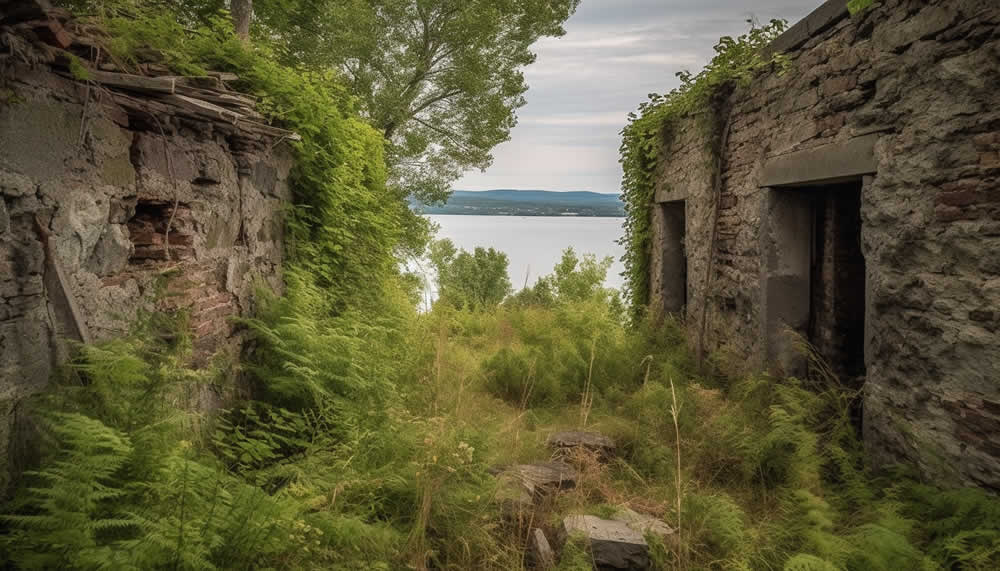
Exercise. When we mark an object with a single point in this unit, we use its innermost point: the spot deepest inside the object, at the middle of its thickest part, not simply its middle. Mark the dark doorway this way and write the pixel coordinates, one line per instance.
(673, 277)
(837, 281)
(814, 280)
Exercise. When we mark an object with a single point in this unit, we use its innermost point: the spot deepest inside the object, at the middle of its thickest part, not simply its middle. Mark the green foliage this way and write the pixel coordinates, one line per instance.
(643, 139)
(572, 280)
(346, 226)
(477, 281)
(856, 7)
(962, 527)
(70, 504)
(440, 80)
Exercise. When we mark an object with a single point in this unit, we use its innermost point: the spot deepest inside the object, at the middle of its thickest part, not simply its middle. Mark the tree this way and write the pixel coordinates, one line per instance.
(572, 280)
(441, 79)
(477, 281)
(242, 11)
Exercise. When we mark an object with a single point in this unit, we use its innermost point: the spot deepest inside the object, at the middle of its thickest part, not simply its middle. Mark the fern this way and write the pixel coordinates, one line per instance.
(67, 513)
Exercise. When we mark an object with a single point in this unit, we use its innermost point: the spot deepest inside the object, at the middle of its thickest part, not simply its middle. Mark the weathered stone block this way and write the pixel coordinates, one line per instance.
(593, 442)
(613, 544)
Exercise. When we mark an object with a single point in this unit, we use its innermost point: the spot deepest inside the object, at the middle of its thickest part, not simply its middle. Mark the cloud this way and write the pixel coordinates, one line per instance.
(583, 84)
(664, 59)
(579, 120)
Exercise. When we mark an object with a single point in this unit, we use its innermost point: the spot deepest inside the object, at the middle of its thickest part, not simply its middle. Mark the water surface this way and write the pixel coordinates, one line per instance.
(534, 244)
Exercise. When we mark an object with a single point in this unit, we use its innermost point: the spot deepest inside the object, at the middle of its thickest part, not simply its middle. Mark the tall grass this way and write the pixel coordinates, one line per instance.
(371, 442)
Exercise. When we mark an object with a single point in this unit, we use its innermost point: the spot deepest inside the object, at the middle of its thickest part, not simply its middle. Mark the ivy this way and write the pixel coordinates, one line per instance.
(643, 139)
(346, 225)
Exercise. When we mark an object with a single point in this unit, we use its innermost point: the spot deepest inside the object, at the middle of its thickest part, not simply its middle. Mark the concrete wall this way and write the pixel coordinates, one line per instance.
(100, 181)
(904, 97)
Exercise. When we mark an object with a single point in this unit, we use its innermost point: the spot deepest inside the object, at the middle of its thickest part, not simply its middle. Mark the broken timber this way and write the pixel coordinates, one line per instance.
(153, 91)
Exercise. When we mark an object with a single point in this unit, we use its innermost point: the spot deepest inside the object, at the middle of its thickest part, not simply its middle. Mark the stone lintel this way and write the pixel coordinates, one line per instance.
(828, 14)
(829, 163)
(670, 194)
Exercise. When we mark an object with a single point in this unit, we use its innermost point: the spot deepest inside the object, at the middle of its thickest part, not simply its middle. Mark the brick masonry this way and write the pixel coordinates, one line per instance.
(921, 77)
(104, 184)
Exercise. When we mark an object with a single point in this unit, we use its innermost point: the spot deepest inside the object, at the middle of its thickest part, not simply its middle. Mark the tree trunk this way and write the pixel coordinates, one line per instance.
(242, 11)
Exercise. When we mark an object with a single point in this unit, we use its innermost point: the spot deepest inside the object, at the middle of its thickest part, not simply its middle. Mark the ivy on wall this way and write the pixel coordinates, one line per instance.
(346, 224)
(735, 62)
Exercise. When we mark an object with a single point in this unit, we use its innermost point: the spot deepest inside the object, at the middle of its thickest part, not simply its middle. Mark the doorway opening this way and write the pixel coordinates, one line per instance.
(814, 279)
(837, 281)
(673, 275)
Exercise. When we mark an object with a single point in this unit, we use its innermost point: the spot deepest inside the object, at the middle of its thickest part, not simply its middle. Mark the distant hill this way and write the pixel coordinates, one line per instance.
(505, 202)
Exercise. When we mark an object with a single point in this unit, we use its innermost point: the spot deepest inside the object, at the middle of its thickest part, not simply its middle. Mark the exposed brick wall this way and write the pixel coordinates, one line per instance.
(923, 76)
(104, 184)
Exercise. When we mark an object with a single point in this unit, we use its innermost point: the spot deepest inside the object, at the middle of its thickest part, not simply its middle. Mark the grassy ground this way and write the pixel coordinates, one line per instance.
(370, 442)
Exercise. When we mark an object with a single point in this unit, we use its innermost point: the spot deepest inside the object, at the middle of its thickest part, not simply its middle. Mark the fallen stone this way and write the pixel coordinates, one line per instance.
(613, 544)
(642, 523)
(592, 441)
(515, 499)
(544, 477)
(541, 552)
(521, 485)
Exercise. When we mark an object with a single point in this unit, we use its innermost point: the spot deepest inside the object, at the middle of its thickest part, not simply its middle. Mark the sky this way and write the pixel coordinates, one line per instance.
(584, 84)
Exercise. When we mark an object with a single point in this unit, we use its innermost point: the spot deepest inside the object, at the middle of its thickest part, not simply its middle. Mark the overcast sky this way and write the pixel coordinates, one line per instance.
(584, 84)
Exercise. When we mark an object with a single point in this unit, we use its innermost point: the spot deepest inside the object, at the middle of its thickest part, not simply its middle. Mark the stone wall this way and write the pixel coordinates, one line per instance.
(901, 100)
(106, 182)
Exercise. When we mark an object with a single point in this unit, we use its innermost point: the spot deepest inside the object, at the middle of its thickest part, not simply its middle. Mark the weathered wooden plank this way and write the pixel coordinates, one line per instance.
(207, 82)
(227, 99)
(135, 82)
(268, 130)
(204, 108)
(225, 75)
(59, 293)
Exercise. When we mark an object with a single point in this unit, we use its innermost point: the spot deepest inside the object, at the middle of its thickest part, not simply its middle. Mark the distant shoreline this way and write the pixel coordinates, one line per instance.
(523, 215)
(504, 202)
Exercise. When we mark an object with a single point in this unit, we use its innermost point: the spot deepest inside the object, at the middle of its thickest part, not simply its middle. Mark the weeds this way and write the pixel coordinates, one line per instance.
(370, 444)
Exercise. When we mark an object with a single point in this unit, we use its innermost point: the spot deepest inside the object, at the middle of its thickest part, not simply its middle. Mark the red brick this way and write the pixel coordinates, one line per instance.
(954, 214)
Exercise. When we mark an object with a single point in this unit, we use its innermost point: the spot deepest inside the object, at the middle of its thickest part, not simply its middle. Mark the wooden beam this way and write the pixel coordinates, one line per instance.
(135, 82)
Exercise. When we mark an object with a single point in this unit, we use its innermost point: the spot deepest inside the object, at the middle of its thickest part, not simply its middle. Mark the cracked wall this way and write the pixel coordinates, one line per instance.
(104, 185)
(904, 96)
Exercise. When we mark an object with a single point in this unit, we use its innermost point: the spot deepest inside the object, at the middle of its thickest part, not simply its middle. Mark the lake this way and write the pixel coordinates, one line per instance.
(534, 244)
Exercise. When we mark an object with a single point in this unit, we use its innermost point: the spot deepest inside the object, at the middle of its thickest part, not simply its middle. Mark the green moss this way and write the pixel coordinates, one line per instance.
(856, 7)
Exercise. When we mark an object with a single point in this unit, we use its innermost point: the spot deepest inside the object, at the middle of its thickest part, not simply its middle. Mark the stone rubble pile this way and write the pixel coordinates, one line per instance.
(618, 542)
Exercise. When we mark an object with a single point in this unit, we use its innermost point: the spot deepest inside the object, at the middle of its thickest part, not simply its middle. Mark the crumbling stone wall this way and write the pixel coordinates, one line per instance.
(106, 182)
(902, 98)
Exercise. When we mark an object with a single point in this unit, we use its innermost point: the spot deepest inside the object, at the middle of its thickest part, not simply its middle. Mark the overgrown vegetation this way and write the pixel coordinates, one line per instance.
(366, 432)
(369, 443)
(644, 138)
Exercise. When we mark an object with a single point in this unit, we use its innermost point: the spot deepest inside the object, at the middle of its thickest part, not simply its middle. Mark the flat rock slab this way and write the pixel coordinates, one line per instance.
(613, 544)
(592, 441)
(522, 485)
(544, 476)
(642, 522)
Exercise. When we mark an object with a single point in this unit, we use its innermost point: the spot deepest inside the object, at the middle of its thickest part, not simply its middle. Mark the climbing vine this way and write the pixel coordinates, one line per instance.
(346, 225)
(735, 62)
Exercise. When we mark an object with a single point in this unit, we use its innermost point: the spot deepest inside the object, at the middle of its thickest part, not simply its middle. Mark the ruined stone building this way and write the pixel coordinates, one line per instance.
(128, 192)
(852, 197)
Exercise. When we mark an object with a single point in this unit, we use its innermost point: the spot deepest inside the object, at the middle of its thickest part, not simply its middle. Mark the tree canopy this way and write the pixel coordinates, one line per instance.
(441, 79)
(476, 280)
